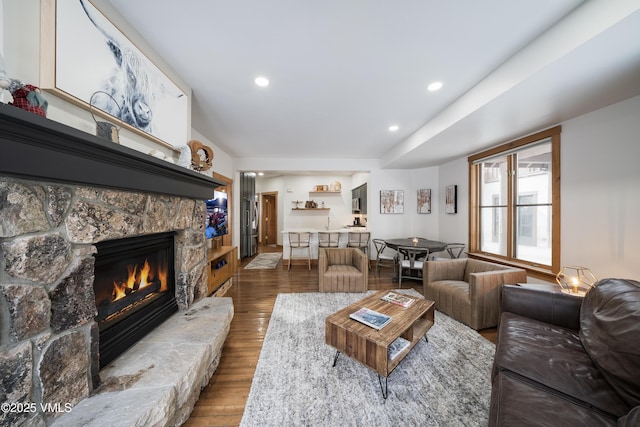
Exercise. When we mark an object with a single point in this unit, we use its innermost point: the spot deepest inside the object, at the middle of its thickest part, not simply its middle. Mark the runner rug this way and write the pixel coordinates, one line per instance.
(442, 382)
(266, 261)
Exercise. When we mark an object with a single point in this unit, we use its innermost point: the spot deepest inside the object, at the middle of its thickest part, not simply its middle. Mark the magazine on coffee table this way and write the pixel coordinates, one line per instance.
(371, 318)
(396, 347)
(398, 299)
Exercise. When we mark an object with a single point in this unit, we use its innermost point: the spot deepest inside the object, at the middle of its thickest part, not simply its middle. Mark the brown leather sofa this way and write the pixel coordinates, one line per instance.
(562, 360)
(342, 270)
(468, 289)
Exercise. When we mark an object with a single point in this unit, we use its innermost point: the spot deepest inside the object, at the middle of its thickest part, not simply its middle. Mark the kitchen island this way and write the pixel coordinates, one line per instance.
(342, 242)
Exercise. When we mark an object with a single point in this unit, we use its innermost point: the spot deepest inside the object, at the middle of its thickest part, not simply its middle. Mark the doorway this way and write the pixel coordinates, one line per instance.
(270, 219)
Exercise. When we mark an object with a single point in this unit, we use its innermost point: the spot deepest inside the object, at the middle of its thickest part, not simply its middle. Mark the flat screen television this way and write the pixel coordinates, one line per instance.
(217, 215)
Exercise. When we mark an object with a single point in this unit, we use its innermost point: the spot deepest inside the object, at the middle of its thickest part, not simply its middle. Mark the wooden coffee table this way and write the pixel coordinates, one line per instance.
(368, 345)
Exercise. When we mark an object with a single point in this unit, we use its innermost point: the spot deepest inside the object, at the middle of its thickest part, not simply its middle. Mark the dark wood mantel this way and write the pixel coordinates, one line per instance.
(37, 148)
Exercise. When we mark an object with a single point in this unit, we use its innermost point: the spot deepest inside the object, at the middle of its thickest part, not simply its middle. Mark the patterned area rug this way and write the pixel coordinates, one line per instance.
(264, 261)
(443, 382)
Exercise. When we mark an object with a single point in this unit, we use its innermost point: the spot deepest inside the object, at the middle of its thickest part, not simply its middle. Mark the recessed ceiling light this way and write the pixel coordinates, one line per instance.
(260, 173)
(394, 128)
(434, 86)
(262, 81)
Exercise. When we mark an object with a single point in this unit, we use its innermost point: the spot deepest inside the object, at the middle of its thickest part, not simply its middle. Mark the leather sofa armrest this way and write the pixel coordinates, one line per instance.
(632, 419)
(556, 308)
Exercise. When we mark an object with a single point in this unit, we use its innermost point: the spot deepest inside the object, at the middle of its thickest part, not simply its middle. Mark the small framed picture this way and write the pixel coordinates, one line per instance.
(451, 199)
(391, 201)
(424, 201)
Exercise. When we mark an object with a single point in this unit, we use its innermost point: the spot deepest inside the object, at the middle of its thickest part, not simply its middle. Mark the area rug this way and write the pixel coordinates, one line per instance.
(442, 382)
(265, 261)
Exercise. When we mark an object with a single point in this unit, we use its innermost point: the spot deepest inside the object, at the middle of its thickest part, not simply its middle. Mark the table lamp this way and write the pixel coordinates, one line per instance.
(575, 280)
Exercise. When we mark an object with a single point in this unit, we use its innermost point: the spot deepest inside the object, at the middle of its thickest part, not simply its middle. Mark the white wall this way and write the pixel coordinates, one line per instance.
(454, 228)
(600, 192)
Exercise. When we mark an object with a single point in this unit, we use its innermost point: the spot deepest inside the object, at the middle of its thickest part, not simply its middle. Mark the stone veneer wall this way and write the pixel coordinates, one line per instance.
(47, 303)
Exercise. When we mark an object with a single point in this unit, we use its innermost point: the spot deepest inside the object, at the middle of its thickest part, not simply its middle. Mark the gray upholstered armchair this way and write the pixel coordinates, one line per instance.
(342, 270)
(469, 290)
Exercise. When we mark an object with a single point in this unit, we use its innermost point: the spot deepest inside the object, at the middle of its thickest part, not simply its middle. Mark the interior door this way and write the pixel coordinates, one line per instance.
(270, 219)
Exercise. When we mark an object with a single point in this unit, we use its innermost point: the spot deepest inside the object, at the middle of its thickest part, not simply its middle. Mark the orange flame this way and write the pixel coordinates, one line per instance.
(163, 271)
(144, 275)
(119, 291)
(139, 279)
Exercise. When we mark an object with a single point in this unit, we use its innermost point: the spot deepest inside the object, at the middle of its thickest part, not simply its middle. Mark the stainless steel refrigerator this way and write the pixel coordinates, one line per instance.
(248, 215)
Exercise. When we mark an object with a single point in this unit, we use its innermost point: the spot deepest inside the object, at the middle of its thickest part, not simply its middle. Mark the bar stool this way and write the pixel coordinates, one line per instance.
(299, 241)
(328, 239)
(360, 240)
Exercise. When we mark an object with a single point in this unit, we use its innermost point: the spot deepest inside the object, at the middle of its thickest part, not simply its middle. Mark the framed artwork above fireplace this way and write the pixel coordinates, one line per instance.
(85, 54)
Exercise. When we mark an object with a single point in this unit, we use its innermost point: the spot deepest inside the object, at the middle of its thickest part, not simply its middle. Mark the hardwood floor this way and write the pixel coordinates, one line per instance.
(254, 292)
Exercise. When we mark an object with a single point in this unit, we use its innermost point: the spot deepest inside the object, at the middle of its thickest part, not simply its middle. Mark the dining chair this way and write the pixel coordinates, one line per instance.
(384, 257)
(455, 249)
(298, 240)
(328, 239)
(409, 263)
(360, 240)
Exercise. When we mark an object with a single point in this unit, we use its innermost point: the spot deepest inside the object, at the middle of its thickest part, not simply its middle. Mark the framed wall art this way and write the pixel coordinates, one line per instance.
(451, 199)
(424, 201)
(85, 54)
(391, 201)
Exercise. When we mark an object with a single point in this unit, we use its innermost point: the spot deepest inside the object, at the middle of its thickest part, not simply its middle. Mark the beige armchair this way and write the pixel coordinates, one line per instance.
(469, 290)
(342, 270)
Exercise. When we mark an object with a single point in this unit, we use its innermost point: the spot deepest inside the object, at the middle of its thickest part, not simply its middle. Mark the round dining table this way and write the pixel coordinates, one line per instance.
(417, 242)
(430, 246)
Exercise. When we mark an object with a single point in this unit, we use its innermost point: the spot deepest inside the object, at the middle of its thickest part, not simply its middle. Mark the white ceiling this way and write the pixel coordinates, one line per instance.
(343, 71)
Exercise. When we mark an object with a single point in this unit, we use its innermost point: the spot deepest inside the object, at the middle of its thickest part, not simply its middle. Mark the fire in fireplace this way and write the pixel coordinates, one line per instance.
(134, 287)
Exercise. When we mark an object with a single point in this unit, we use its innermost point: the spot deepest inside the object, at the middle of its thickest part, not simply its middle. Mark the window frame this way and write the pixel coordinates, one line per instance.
(545, 272)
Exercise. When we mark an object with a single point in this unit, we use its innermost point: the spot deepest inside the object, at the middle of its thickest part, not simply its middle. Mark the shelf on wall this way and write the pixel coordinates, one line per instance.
(325, 192)
(310, 209)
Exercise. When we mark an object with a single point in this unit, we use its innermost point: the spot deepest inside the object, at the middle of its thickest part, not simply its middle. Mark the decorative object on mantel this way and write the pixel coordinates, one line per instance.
(575, 280)
(105, 130)
(160, 155)
(184, 159)
(29, 98)
(25, 96)
(201, 155)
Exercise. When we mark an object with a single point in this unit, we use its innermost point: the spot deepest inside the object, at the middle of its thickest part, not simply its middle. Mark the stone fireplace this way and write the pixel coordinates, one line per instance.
(65, 196)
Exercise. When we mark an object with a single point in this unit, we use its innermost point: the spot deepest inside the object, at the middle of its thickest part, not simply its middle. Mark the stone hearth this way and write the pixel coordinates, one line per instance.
(158, 381)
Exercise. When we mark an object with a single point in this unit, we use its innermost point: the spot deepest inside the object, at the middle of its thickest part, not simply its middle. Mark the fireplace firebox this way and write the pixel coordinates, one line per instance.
(134, 287)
